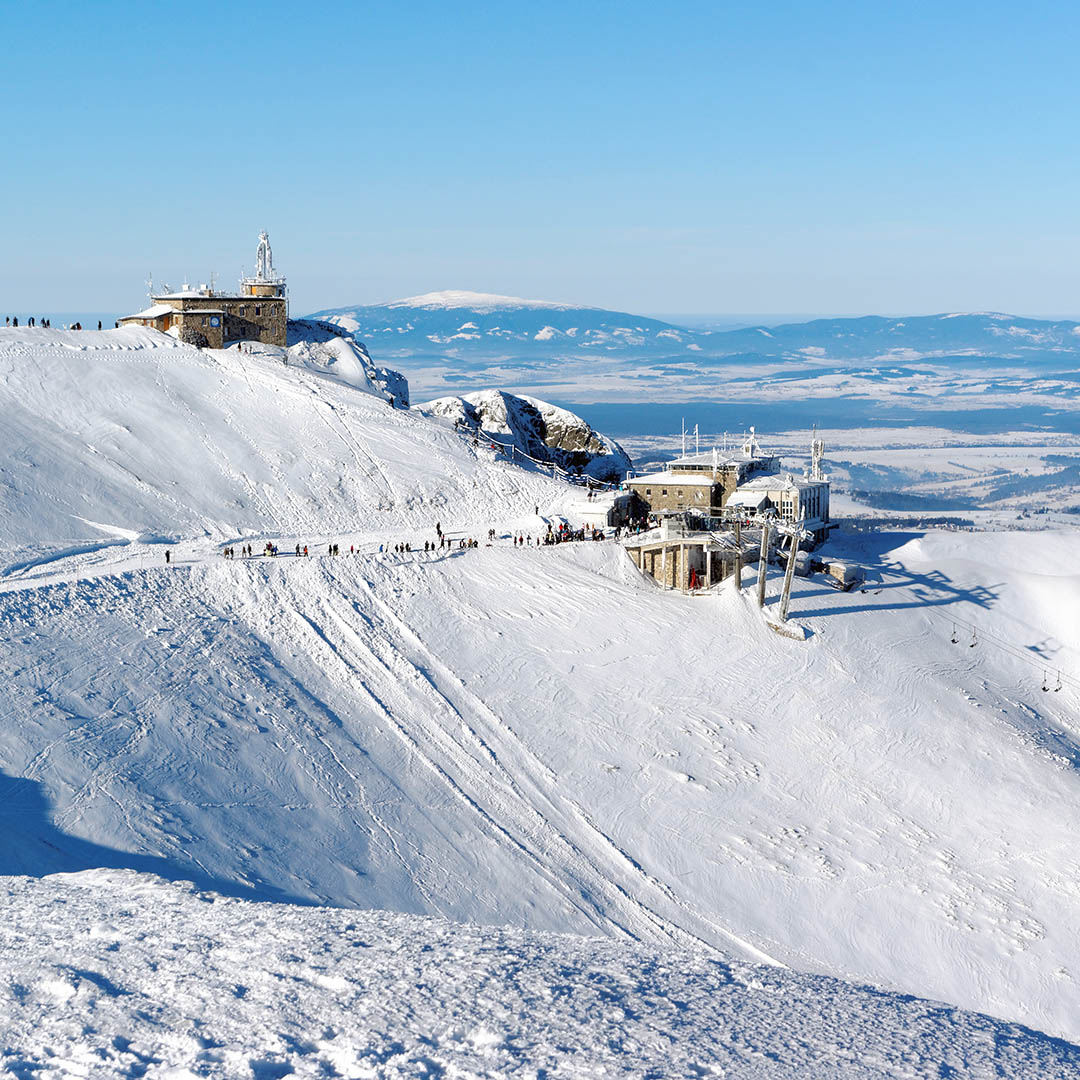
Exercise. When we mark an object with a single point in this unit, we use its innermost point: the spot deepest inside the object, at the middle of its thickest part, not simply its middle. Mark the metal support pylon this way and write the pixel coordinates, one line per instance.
(763, 563)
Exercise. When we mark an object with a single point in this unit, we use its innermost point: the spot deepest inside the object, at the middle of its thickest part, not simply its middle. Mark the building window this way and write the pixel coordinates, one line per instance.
(241, 309)
(258, 311)
(204, 320)
(648, 491)
(664, 492)
(679, 493)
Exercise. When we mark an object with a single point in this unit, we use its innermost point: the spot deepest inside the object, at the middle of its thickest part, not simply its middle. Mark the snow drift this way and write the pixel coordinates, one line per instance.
(326, 349)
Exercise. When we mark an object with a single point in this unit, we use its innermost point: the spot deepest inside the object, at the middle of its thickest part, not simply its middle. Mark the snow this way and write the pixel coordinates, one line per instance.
(134, 430)
(153, 312)
(473, 301)
(677, 479)
(528, 737)
(176, 982)
(349, 362)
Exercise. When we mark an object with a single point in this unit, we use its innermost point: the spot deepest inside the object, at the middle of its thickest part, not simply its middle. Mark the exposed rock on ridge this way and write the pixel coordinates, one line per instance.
(537, 428)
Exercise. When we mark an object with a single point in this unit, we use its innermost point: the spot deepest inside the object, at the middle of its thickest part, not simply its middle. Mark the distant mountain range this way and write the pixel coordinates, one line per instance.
(466, 324)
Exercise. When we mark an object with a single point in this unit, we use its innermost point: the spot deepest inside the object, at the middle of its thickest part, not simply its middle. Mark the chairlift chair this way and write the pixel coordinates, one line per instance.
(974, 639)
(1044, 686)
(955, 639)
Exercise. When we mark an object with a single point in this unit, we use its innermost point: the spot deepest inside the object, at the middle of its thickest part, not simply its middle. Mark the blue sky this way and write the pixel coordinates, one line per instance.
(794, 157)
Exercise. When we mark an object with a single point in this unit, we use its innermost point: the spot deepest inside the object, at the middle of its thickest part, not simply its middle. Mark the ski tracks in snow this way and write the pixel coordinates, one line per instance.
(478, 761)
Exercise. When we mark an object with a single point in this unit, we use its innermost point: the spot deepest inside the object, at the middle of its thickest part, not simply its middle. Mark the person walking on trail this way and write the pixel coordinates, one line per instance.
(298, 551)
(168, 555)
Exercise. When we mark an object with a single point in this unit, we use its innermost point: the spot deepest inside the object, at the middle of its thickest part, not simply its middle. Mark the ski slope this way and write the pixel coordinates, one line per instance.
(536, 737)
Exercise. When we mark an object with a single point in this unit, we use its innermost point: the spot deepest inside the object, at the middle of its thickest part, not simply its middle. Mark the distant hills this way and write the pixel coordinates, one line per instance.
(467, 324)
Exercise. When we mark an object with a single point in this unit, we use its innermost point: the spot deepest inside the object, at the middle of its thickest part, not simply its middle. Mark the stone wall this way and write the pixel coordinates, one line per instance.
(196, 320)
(247, 318)
(694, 496)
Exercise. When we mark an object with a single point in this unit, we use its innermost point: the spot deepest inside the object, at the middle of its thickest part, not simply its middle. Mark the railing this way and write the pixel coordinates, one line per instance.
(515, 452)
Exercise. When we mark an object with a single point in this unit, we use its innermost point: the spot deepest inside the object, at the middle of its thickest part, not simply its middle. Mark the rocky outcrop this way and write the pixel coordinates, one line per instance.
(542, 431)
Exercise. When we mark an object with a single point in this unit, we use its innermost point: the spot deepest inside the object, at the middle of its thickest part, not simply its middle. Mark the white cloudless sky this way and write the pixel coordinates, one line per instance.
(790, 157)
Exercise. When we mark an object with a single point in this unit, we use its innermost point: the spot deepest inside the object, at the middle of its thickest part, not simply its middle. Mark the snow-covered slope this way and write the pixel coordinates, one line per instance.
(126, 433)
(502, 735)
(316, 348)
(539, 429)
(456, 299)
(179, 983)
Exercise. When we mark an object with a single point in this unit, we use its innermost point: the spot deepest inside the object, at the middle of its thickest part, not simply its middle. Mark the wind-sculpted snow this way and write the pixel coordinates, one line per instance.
(543, 432)
(182, 983)
(312, 347)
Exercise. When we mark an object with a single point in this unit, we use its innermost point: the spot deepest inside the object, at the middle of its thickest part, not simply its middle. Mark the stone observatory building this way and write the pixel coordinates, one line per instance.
(211, 319)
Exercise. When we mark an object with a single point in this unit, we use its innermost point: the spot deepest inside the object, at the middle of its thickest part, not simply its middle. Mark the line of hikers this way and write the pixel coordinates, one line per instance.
(555, 535)
(13, 321)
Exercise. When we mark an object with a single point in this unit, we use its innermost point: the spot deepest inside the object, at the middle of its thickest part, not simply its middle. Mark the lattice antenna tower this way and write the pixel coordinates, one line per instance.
(817, 452)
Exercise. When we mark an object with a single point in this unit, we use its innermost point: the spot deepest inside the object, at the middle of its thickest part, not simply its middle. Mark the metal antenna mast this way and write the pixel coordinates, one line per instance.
(817, 452)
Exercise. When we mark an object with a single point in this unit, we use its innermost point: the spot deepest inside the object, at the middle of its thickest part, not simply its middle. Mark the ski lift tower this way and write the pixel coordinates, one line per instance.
(796, 532)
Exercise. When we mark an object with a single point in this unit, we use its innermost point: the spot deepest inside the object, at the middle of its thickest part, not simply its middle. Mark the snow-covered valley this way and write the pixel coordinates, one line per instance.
(501, 736)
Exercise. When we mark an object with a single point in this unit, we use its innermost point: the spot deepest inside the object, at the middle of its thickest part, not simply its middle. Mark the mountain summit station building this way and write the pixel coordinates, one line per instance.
(212, 319)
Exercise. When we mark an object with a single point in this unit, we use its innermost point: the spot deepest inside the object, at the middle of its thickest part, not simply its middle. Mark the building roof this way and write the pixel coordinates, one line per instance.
(779, 482)
(154, 312)
(722, 458)
(741, 497)
(192, 294)
(674, 479)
